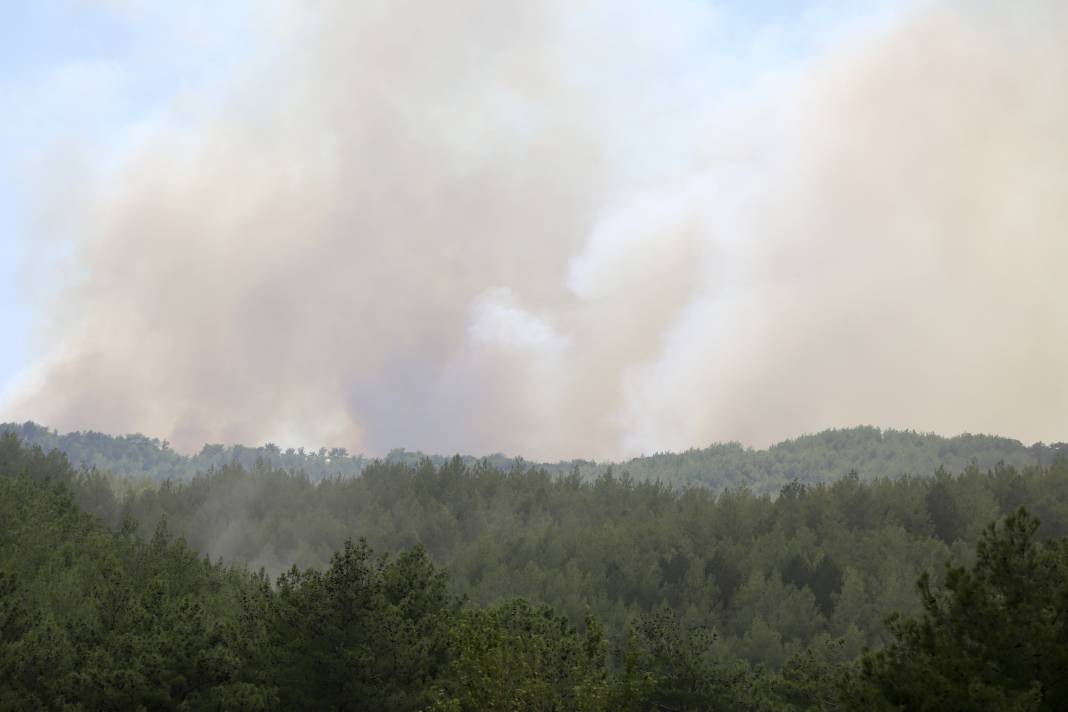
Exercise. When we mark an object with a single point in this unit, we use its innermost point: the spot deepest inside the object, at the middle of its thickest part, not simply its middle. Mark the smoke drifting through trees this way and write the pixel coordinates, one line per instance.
(416, 225)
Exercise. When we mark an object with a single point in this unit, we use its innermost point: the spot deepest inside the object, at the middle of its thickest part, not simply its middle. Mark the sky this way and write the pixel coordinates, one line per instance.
(79, 77)
(555, 229)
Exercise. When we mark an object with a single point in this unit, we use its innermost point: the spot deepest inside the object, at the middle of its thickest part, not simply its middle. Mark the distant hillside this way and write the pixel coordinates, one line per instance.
(139, 456)
(822, 457)
(828, 455)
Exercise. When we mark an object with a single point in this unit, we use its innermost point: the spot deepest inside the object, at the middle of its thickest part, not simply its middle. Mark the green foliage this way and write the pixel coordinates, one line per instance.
(518, 656)
(364, 634)
(823, 457)
(688, 601)
(771, 574)
(685, 670)
(992, 636)
(96, 619)
(831, 455)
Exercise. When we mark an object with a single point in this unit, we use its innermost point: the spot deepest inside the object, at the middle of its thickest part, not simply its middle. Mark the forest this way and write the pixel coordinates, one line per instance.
(462, 584)
(819, 457)
(533, 356)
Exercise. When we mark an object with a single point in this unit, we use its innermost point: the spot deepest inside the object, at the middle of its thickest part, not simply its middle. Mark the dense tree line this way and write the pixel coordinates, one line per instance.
(829, 455)
(772, 575)
(103, 618)
(823, 457)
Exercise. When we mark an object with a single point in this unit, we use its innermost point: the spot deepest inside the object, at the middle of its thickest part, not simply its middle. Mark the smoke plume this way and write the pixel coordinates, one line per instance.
(538, 228)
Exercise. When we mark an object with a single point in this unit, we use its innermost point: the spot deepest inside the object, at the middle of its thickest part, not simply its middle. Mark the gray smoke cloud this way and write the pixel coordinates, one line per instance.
(450, 226)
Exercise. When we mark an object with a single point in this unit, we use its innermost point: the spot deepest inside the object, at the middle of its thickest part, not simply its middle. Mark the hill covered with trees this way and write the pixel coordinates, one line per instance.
(831, 454)
(611, 595)
(823, 457)
(773, 575)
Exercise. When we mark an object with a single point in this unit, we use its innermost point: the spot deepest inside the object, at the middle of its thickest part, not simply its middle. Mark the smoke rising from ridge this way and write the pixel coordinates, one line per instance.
(421, 225)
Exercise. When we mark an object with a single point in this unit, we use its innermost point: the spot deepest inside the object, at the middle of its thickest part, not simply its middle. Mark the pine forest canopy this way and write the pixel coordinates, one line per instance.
(517, 589)
(822, 457)
(495, 230)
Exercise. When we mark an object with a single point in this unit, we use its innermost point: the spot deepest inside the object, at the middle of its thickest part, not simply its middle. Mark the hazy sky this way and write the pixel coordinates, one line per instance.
(553, 228)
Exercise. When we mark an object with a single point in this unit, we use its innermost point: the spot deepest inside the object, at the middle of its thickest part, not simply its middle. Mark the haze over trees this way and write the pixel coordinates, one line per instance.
(464, 586)
(618, 239)
(821, 457)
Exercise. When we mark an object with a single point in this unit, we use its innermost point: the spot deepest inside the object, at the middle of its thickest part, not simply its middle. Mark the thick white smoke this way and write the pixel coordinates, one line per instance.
(448, 226)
